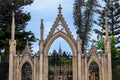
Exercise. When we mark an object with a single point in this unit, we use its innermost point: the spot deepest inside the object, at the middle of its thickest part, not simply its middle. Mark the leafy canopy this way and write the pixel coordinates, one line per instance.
(21, 20)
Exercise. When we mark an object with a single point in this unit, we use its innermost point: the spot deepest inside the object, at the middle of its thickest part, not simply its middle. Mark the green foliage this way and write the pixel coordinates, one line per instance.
(114, 49)
(112, 8)
(50, 72)
(115, 53)
(21, 19)
(83, 19)
(116, 73)
(59, 60)
(100, 45)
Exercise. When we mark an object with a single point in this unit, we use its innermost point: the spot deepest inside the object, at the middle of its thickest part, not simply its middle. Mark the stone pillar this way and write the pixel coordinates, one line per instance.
(109, 61)
(74, 67)
(79, 66)
(11, 66)
(108, 49)
(41, 66)
(86, 71)
(102, 72)
(105, 66)
(79, 42)
(12, 47)
(41, 50)
(18, 68)
(35, 67)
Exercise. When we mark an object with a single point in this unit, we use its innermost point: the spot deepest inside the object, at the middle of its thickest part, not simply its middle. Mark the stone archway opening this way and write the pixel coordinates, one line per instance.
(60, 60)
(73, 49)
(26, 71)
(94, 71)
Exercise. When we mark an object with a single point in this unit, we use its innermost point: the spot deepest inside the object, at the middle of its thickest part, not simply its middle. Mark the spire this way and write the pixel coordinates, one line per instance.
(13, 27)
(42, 23)
(60, 8)
(42, 29)
(106, 25)
(60, 50)
(27, 42)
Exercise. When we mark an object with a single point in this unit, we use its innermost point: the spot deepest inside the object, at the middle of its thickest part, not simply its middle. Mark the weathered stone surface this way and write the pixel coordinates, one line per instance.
(39, 62)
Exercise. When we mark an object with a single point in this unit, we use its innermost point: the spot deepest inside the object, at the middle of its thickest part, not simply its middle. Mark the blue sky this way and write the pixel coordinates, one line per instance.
(48, 10)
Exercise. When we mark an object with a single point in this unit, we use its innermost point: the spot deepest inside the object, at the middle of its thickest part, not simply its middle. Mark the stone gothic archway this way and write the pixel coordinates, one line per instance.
(59, 29)
(39, 61)
(73, 48)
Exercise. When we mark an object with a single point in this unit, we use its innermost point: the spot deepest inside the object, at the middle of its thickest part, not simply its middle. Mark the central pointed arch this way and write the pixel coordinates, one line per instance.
(65, 37)
(73, 49)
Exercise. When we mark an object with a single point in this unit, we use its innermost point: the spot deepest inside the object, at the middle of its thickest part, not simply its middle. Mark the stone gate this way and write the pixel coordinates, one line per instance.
(28, 66)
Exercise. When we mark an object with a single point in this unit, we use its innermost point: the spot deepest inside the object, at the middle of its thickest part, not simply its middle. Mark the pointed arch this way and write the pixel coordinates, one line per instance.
(94, 71)
(72, 45)
(26, 71)
(94, 59)
(24, 60)
(60, 21)
(65, 37)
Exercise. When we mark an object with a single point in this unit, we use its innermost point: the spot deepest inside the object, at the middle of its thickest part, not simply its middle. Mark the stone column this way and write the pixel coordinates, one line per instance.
(102, 72)
(74, 67)
(109, 61)
(79, 43)
(12, 47)
(79, 66)
(41, 66)
(18, 68)
(11, 66)
(35, 68)
(86, 71)
(105, 66)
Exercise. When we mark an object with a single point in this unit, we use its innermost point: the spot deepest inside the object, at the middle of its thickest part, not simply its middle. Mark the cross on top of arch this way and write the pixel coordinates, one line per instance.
(60, 8)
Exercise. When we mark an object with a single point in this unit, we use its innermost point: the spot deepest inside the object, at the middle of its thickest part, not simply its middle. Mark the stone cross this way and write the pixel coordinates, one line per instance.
(59, 8)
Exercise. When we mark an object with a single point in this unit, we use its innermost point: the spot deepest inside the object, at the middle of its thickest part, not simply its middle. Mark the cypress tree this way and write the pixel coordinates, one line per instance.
(113, 11)
(83, 19)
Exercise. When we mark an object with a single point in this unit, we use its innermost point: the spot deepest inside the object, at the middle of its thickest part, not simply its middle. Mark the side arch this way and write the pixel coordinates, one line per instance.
(26, 71)
(94, 59)
(97, 61)
(26, 59)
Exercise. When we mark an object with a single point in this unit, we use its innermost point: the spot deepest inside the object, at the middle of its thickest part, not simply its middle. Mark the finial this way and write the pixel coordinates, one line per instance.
(13, 14)
(106, 25)
(42, 30)
(27, 42)
(13, 26)
(41, 21)
(60, 50)
(59, 8)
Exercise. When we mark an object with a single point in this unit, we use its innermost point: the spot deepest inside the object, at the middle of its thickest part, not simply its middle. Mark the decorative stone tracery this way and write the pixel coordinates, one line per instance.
(39, 62)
